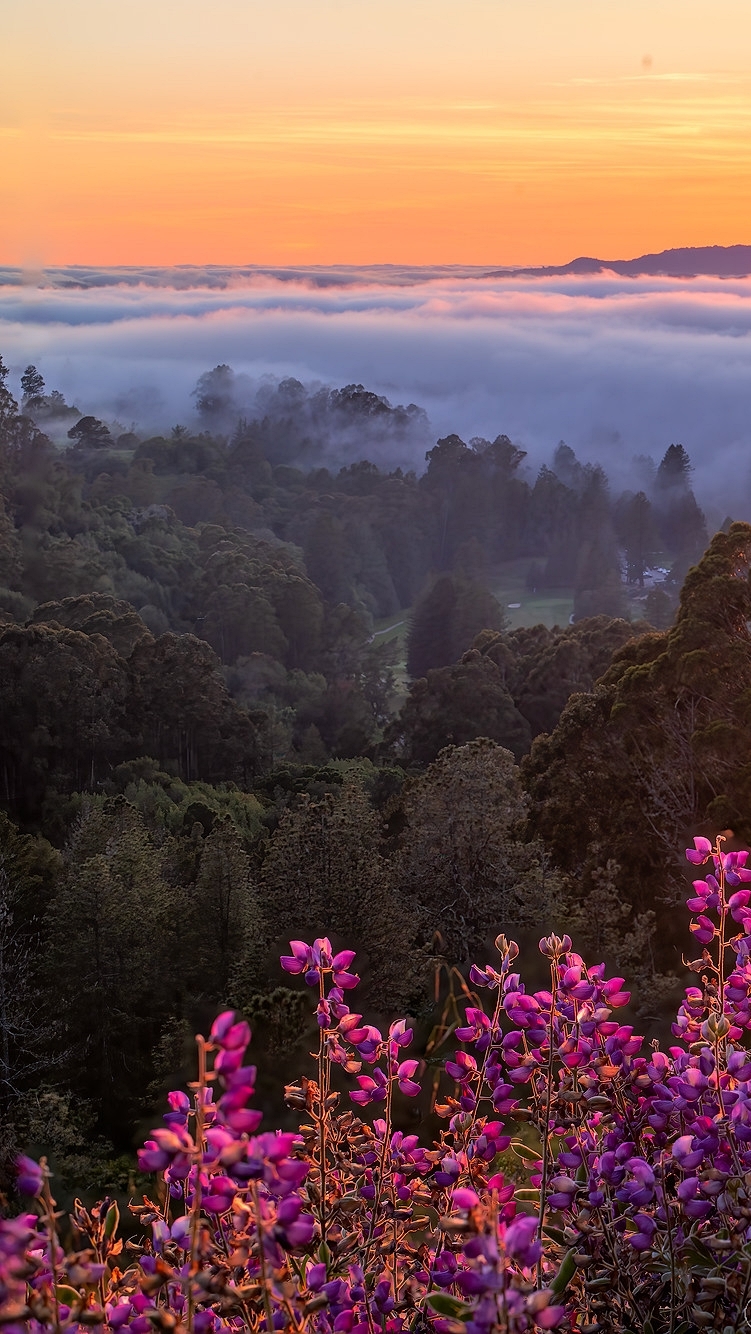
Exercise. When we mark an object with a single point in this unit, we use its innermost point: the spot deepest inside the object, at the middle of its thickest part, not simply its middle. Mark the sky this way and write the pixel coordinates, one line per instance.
(371, 131)
(618, 367)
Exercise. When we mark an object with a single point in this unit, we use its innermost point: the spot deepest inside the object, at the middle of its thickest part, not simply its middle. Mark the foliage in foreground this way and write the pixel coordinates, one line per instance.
(635, 1214)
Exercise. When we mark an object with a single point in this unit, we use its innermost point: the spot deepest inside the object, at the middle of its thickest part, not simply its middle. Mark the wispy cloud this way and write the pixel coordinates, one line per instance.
(617, 367)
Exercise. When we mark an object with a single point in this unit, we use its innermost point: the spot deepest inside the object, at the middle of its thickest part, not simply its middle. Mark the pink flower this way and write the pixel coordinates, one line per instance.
(700, 851)
(404, 1073)
(464, 1198)
(299, 960)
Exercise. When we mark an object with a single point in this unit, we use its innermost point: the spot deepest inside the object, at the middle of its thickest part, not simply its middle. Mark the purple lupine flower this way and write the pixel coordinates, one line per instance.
(293, 1227)
(703, 929)
(382, 1300)
(449, 1170)
(563, 1193)
(370, 1089)
(29, 1175)
(464, 1198)
(179, 1105)
(300, 960)
(168, 1148)
(686, 1154)
(220, 1193)
(485, 977)
(315, 1277)
(404, 1073)
(641, 1189)
(646, 1226)
(340, 965)
(700, 851)
(550, 1317)
(521, 1241)
(478, 1029)
(462, 1068)
(444, 1269)
(489, 1142)
(230, 1036)
(614, 994)
(400, 1034)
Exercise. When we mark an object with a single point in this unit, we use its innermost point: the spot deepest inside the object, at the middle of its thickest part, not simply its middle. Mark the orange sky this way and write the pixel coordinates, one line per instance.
(365, 131)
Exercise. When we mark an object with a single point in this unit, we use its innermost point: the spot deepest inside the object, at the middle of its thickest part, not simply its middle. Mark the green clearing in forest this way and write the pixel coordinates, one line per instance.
(509, 584)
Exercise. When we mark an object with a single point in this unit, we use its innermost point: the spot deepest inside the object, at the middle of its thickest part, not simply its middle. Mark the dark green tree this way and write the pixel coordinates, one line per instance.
(8, 404)
(674, 471)
(90, 433)
(658, 749)
(324, 874)
(32, 387)
(460, 865)
(452, 706)
(446, 620)
(214, 394)
(639, 536)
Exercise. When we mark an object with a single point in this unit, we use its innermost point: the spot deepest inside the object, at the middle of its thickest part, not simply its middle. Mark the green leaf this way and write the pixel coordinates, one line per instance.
(426, 1211)
(112, 1218)
(348, 1202)
(324, 1254)
(598, 1284)
(555, 1234)
(565, 1274)
(68, 1295)
(444, 1304)
(523, 1150)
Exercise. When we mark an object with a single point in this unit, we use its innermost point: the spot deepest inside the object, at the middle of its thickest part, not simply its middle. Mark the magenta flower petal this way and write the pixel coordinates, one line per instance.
(301, 950)
(347, 981)
(409, 1087)
(342, 960)
(407, 1069)
(465, 1198)
(551, 1317)
(292, 965)
(30, 1175)
(222, 1024)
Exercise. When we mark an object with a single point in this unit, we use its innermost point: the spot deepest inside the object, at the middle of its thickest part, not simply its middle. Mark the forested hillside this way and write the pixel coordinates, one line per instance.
(208, 742)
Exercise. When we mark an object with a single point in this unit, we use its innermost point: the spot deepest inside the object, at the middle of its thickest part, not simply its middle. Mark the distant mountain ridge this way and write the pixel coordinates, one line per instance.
(731, 261)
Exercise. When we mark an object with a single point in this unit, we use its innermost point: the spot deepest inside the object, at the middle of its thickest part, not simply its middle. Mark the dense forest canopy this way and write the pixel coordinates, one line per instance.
(208, 735)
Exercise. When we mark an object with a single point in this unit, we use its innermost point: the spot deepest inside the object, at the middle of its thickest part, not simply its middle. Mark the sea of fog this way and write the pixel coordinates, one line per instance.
(614, 366)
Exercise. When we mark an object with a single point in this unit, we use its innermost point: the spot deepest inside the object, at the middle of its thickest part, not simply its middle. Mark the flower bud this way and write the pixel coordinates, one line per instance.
(715, 1027)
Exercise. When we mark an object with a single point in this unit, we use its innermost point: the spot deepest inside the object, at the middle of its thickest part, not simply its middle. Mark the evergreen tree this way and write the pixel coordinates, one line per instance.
(32, 387)
(452, 706)
(660, 745)
(446, 620)
(640, 537)
(674, 472)
(8, 404)
(324, 874)
(461, 862)
(115, 933)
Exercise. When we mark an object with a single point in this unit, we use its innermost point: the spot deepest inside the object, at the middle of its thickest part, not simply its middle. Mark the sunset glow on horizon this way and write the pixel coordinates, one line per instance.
(345, 131)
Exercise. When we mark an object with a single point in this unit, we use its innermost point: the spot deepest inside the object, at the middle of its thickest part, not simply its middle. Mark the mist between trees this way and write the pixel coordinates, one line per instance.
(208, 742)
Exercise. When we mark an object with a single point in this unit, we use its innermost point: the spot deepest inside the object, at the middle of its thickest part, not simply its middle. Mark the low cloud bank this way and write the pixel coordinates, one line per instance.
(616, 367)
